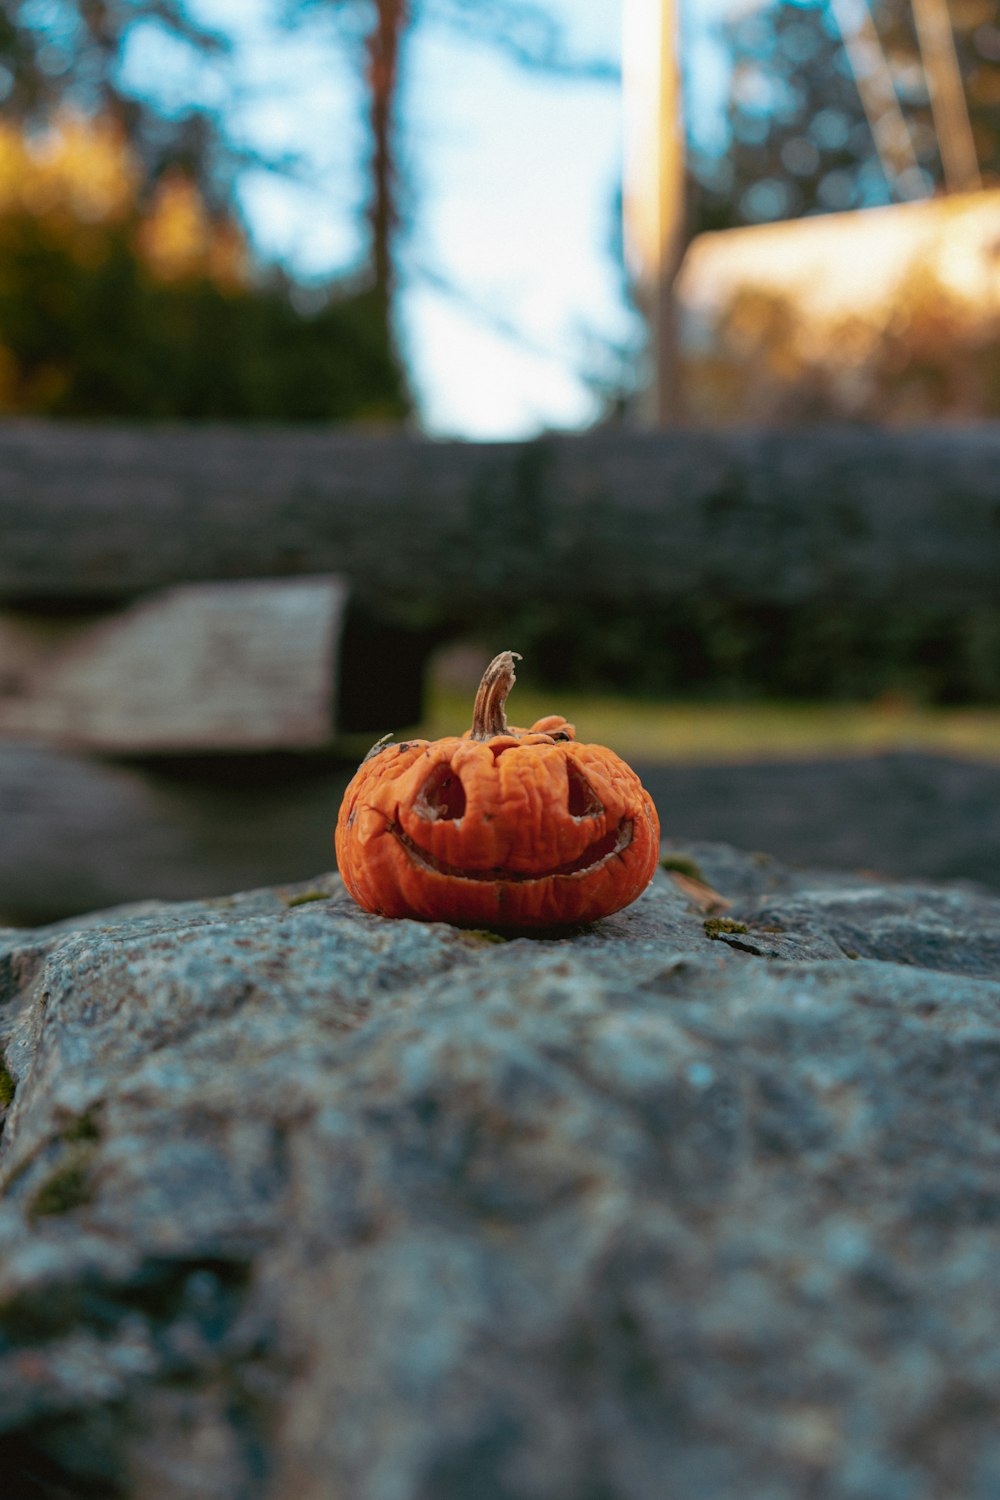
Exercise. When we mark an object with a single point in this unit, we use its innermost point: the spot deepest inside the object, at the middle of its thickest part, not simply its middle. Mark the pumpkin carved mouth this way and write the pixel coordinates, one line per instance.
(598, 852)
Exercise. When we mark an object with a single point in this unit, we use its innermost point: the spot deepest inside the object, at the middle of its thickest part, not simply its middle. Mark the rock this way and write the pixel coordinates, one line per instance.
(234, 665)
(299, 1203)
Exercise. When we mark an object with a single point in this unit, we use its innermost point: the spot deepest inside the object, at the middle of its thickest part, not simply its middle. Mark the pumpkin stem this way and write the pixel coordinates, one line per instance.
(488, 717)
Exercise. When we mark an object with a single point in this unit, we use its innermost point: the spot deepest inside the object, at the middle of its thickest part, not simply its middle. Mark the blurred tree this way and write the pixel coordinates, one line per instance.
(59, 53)
(975, 28)
(523, 29)
(126, 282)
(69, 53)
(800, 141)
(112, 303)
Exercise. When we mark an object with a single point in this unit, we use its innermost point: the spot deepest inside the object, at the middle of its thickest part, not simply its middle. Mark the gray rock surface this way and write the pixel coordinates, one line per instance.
(299, 1204)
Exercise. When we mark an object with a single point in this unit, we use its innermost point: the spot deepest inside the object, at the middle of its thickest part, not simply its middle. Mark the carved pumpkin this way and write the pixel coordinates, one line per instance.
(500, 827)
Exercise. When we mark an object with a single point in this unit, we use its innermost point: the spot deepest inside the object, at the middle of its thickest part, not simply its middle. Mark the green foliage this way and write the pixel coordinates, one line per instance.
(126, 282)
(799, 141)
(54, 56)
(97, 334)
(702, 646)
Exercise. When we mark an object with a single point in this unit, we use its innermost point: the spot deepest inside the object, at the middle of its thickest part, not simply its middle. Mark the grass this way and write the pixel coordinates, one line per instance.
(679, 731)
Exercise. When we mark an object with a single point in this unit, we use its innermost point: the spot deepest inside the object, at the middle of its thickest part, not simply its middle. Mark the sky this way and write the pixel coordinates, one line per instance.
(511, 291)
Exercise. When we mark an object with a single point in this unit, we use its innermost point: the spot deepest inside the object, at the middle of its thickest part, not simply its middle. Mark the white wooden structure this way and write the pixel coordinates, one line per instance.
(654, 176)
(840, 286)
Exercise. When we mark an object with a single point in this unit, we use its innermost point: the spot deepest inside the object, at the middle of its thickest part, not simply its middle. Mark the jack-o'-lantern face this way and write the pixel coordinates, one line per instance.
(500, 828)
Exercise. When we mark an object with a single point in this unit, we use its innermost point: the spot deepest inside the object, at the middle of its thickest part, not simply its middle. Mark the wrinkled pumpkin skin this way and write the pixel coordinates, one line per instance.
(526, 829)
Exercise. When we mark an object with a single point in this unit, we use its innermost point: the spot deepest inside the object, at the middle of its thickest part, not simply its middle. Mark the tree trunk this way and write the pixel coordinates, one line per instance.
(383, 48)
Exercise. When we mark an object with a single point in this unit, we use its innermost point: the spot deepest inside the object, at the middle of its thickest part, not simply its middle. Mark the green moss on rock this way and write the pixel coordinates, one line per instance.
(304, 897)
(84, 1128)
(721, 927)
(67, 1188)
(682, 864)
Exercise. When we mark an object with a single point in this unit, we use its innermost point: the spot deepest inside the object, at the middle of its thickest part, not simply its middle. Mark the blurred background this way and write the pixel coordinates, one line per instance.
(346, 342)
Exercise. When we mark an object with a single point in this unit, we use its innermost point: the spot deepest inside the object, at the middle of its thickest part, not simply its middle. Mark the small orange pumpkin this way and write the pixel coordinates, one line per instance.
(500, 827)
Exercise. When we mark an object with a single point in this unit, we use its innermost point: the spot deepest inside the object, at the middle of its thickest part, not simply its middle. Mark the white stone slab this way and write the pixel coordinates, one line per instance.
(212, 666)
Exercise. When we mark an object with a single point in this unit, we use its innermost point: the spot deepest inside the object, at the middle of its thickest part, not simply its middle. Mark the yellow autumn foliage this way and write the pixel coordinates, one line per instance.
(80, 177)
(131, 298)
(79, 170)
(179, 238)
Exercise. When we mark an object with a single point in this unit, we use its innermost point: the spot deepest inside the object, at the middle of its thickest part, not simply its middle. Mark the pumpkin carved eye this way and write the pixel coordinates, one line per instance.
(583, 800)
(441, 796)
